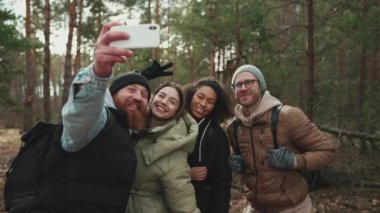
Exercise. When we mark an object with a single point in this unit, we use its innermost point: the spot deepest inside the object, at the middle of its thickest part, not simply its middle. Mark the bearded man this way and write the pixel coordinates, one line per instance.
(273, 165)
(91, 166)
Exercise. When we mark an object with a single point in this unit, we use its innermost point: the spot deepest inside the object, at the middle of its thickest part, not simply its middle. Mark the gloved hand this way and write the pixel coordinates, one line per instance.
(281, 158)
(236, 163)
(156, 70)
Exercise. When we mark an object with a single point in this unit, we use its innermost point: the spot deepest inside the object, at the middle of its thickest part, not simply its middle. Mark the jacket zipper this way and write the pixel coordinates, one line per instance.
(200, 142)
(254, 163)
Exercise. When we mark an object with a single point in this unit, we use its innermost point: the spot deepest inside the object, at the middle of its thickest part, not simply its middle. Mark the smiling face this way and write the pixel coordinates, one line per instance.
(247, 96)
(133, 99)
(165, 103)
(203, 102)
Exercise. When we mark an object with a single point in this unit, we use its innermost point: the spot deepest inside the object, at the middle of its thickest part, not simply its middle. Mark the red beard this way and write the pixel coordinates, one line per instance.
(137, 118)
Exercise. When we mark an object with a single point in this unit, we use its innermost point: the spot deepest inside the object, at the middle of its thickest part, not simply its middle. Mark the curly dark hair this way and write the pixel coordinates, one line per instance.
(222, 110)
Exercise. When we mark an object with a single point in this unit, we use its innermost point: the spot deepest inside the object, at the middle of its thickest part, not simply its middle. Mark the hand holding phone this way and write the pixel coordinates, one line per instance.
(141, 36)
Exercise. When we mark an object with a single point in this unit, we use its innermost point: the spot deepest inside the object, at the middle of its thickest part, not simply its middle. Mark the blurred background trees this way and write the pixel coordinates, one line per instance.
(322, 56)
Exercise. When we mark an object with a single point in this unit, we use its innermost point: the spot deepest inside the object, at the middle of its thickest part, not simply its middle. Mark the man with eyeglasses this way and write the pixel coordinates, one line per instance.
(272, 171)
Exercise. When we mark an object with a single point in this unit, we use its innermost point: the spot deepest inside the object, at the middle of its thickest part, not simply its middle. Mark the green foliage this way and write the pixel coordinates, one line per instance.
(216, 23)
(10, 38)
(90, 30)
(361, 24)
(100, 12)
(11, 44)
(269, 34)
(137, 62)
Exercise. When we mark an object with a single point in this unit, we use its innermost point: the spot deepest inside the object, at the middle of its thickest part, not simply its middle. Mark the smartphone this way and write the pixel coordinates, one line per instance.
(141, 36)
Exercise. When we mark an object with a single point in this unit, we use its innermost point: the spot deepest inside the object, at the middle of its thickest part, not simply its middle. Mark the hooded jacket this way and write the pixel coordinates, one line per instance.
(212, 150)
(271, 189)
(163, 182)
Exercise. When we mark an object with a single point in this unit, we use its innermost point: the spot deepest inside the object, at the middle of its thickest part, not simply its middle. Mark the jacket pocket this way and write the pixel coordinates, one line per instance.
(294, 187)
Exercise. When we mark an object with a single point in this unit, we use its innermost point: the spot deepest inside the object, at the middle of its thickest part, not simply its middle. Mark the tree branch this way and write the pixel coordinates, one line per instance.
(344, 132)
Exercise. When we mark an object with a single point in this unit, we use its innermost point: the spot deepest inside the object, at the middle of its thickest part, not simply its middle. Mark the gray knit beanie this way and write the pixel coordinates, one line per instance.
(255, 71)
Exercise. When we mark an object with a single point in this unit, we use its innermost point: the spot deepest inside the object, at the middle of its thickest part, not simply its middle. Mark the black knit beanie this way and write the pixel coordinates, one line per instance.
(128, 79)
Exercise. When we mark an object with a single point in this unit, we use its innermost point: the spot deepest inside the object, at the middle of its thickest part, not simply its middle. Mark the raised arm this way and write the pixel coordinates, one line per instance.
(84, 115)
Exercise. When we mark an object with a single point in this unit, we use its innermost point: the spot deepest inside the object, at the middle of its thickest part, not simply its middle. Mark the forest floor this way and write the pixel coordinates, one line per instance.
(352, 184)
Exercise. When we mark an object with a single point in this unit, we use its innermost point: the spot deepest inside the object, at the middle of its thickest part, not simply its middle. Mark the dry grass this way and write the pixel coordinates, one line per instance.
(9, 146)
(346, 183)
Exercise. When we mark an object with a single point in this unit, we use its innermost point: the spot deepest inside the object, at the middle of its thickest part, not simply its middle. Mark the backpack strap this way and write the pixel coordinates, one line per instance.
(274, 122)
(110, 118)
(235, 125)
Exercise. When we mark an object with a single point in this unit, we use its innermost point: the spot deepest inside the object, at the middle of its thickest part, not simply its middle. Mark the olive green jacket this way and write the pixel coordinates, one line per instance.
(163, 180)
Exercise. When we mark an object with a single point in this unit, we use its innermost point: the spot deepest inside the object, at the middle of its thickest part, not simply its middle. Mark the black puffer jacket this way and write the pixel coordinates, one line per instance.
(96, 179)
(212, 150)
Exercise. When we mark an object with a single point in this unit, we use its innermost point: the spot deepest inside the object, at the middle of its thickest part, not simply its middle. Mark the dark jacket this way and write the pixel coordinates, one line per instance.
(98, 178)
(212, 150)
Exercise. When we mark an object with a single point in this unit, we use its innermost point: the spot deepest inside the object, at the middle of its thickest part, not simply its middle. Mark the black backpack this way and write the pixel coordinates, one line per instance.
(24, 175)
(313, 178)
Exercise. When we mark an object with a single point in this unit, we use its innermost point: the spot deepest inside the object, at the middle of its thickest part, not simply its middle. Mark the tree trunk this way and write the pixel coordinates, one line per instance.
(46, 66)
(233, 63)
(155, 53)
(212, 61)
(149, 11)
(168, 49)
(190, 50)
(341, 75)
(30, 73)
(79, 40)
(67, 76)
(150, 20)
(362, 78)
(310, 59)
(211, 16)
(158, 16)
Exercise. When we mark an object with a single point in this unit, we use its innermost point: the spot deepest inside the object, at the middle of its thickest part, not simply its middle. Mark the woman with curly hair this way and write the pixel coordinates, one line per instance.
(210, 105)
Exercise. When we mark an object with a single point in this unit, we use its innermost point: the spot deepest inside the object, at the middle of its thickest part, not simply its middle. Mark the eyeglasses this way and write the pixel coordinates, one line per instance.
(247, 83)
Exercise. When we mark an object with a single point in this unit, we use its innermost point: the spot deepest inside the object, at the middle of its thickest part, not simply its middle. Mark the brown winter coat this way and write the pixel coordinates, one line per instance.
(273, 189)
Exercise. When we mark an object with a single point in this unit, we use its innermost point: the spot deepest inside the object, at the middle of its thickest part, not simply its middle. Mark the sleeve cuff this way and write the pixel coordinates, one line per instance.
(300, 162)
(87, 77)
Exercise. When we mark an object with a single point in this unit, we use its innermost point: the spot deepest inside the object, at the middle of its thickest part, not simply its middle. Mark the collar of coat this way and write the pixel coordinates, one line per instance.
(179, 134)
